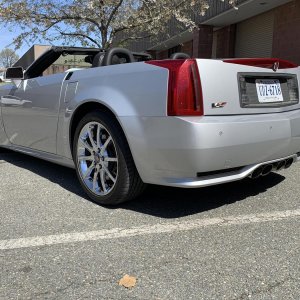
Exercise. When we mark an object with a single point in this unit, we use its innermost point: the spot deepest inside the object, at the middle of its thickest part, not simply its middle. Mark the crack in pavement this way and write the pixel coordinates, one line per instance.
(266, 289)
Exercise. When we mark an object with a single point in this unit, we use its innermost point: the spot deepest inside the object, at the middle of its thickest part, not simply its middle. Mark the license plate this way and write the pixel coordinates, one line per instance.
(268, 90)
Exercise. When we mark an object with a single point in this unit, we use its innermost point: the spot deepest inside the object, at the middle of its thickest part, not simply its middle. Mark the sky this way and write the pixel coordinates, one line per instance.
(7, 37)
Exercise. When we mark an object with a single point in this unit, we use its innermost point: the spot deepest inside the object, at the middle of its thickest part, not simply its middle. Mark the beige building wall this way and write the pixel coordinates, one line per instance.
(31, 55)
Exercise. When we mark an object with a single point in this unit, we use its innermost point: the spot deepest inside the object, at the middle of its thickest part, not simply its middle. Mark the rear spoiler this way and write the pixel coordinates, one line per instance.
(268, 63)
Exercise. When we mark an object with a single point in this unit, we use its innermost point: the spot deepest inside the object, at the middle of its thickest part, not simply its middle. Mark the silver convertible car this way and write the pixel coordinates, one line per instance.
(124, 120)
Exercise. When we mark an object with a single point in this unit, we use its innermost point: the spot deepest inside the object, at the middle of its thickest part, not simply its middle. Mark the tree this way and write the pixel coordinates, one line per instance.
(96, 22)
(8, 57)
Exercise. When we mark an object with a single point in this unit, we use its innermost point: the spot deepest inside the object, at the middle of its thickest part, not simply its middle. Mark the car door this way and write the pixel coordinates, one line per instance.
(30, 112)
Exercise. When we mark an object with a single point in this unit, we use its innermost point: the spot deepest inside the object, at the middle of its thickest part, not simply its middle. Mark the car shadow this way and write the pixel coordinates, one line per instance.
(159, 201)
(63, 176)
(167, 202)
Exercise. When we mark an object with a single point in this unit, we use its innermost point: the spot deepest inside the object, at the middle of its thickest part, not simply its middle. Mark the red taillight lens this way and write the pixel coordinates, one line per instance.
(185, 93)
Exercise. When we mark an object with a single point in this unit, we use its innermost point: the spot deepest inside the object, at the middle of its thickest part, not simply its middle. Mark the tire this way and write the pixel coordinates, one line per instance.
(104, 164)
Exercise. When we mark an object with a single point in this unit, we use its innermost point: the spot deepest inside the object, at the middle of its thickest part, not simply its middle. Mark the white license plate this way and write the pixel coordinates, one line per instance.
(268, 90)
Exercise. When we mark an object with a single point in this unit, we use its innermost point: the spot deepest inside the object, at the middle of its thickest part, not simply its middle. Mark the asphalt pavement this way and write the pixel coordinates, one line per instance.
(235, 241)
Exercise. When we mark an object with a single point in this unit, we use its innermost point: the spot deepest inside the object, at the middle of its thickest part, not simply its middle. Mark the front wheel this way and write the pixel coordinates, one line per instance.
(103, 160)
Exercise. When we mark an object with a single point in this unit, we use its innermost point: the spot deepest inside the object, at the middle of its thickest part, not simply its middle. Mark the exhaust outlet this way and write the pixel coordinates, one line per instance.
(288, 163)
(256, 173)
(267, 170)
(280, 165)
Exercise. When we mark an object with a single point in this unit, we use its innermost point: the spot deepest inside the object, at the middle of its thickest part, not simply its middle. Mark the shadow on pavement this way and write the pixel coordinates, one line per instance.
(65, 177)
(164, 202)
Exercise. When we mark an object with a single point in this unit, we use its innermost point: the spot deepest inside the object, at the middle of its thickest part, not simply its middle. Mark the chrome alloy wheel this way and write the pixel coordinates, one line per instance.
(97, 159)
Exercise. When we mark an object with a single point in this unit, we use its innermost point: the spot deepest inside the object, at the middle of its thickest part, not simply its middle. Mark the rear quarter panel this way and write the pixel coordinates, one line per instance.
(131, 89)
(136, 89)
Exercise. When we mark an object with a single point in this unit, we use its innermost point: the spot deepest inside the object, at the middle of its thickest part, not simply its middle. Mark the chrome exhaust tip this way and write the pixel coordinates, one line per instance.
(267, 170)
(256, 173)
(288, 163)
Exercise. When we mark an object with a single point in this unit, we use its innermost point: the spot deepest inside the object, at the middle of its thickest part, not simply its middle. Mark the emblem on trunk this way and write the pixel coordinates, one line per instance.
(218, 104)
(276, 66)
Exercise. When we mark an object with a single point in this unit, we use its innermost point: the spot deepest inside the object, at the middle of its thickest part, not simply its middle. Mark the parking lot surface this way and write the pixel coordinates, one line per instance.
(236, 241)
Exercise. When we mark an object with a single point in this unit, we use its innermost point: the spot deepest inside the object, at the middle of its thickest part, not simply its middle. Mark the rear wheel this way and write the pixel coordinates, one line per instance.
(103, 160)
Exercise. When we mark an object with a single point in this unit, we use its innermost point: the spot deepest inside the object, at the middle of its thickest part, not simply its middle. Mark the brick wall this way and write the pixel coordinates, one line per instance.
(286, 39)
(162, 54)
(152, 53)
(226, 41)
(202, 41)
(187, 48)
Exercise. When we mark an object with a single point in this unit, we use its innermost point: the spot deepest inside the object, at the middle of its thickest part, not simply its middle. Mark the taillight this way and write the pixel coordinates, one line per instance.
(184, 90)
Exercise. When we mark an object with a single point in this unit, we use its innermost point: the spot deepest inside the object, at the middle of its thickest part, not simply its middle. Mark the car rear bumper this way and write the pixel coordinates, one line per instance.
(230, 175)
(174, 150)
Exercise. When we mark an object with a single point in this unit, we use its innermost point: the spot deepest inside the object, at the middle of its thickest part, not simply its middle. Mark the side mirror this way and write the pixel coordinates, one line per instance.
(14, 73)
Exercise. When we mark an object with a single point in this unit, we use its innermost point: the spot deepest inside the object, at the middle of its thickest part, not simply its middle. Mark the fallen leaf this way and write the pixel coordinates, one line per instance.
(128, 281)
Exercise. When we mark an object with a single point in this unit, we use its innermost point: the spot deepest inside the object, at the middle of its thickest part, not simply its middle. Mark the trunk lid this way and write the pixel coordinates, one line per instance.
(248, 86)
